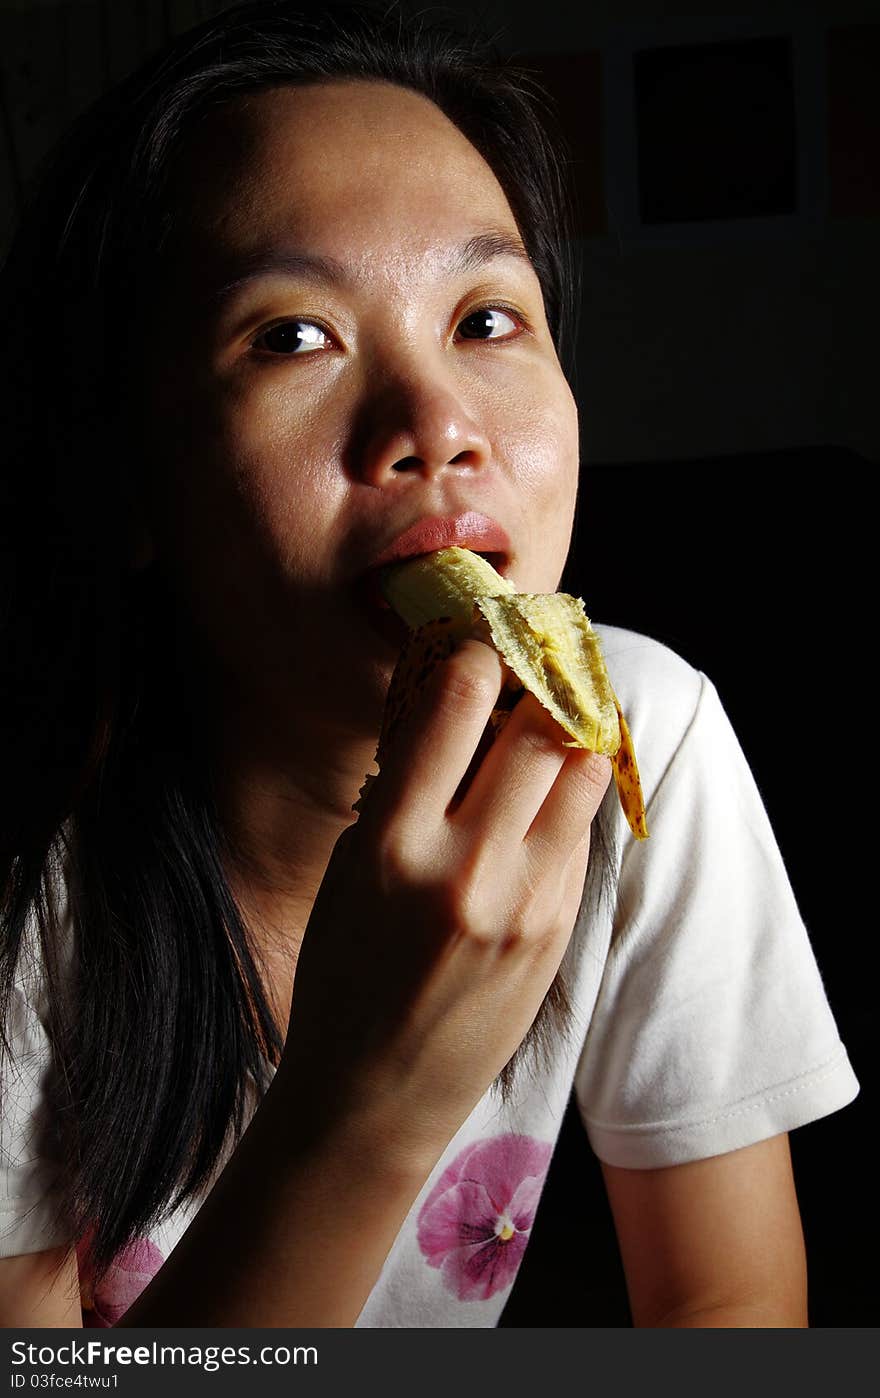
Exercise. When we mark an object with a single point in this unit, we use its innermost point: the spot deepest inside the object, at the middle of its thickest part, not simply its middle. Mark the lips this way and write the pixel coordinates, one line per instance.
(468, 531)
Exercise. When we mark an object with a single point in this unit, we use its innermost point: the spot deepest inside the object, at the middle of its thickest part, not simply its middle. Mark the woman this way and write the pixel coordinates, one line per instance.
(308, 286)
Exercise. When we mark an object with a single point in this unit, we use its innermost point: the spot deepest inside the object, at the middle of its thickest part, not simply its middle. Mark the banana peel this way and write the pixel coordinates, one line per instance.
(545, 641)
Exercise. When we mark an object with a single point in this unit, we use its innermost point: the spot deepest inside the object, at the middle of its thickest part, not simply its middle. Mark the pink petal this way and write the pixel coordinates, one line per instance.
(133, 1268)
(461, 1217)
(524, 1205)
(499, 1162)
(452, 1174)
(476, 1273)
(503, 1162)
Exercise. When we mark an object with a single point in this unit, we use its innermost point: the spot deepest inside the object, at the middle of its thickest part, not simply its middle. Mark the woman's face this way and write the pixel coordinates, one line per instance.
(324, 367)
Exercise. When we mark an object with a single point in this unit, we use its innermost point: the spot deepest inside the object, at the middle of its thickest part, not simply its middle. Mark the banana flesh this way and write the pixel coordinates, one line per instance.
(544, 640)
(445, 583)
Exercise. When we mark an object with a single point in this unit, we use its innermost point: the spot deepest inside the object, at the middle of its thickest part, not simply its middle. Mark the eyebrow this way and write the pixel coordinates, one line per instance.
(467, 257)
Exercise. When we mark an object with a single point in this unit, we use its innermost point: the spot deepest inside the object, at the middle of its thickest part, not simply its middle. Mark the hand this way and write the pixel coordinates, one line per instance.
(440, 922)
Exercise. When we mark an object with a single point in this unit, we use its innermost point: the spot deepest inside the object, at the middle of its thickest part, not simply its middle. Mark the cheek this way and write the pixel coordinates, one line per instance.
(241, 467)
(546, 465)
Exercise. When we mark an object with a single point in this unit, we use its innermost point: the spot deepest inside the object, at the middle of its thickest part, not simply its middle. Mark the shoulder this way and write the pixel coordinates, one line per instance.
(648, 674)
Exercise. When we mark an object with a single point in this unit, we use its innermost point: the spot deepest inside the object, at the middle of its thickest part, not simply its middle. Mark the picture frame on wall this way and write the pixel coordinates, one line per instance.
(714, 129)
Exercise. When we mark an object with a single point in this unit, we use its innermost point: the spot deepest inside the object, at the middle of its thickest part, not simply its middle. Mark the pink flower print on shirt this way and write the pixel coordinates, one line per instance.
(131, 1270)
(475, 1223)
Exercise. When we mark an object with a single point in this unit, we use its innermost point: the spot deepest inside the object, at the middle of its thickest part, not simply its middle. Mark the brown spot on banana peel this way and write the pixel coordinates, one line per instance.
(626, 777)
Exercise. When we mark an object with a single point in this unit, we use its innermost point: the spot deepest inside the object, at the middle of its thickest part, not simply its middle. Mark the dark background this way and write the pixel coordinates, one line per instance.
(728, 170)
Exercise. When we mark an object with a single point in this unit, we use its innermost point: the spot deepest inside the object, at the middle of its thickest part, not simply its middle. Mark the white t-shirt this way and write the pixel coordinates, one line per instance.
(701, 1026)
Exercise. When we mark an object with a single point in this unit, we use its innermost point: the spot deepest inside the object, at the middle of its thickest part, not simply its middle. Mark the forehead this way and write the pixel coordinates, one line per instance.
(356, 167)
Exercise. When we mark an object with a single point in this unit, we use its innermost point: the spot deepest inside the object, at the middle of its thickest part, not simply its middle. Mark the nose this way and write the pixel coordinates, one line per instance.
(417, 423)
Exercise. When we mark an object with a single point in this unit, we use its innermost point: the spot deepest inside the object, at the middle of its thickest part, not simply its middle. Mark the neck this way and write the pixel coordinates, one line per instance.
(281, 815)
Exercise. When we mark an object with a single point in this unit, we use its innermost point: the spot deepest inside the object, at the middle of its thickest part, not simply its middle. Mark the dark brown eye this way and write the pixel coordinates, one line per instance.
(293, 337)
(489, 323)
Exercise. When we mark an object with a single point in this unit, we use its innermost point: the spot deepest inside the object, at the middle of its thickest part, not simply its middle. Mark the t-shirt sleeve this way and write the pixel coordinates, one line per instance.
(29, 1158)
(712, 1029)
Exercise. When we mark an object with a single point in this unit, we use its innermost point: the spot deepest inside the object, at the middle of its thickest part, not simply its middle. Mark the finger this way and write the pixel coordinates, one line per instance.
(573, 882)
(516, 774)
(564, 820)
(434, 748)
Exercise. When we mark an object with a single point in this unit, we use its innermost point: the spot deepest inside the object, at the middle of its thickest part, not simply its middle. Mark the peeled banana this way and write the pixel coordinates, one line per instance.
(544, 640)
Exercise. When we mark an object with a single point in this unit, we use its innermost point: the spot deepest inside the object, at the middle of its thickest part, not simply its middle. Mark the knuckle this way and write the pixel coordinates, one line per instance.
(594, 773)
(478, 935)
(393, 858)
(517, 932)
(542, 743)
(472, 674)
(525, 917)
(463, 911)
(459, 901)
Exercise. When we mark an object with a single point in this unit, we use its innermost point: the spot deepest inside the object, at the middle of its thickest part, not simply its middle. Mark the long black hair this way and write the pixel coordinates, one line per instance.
(158, 1021)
